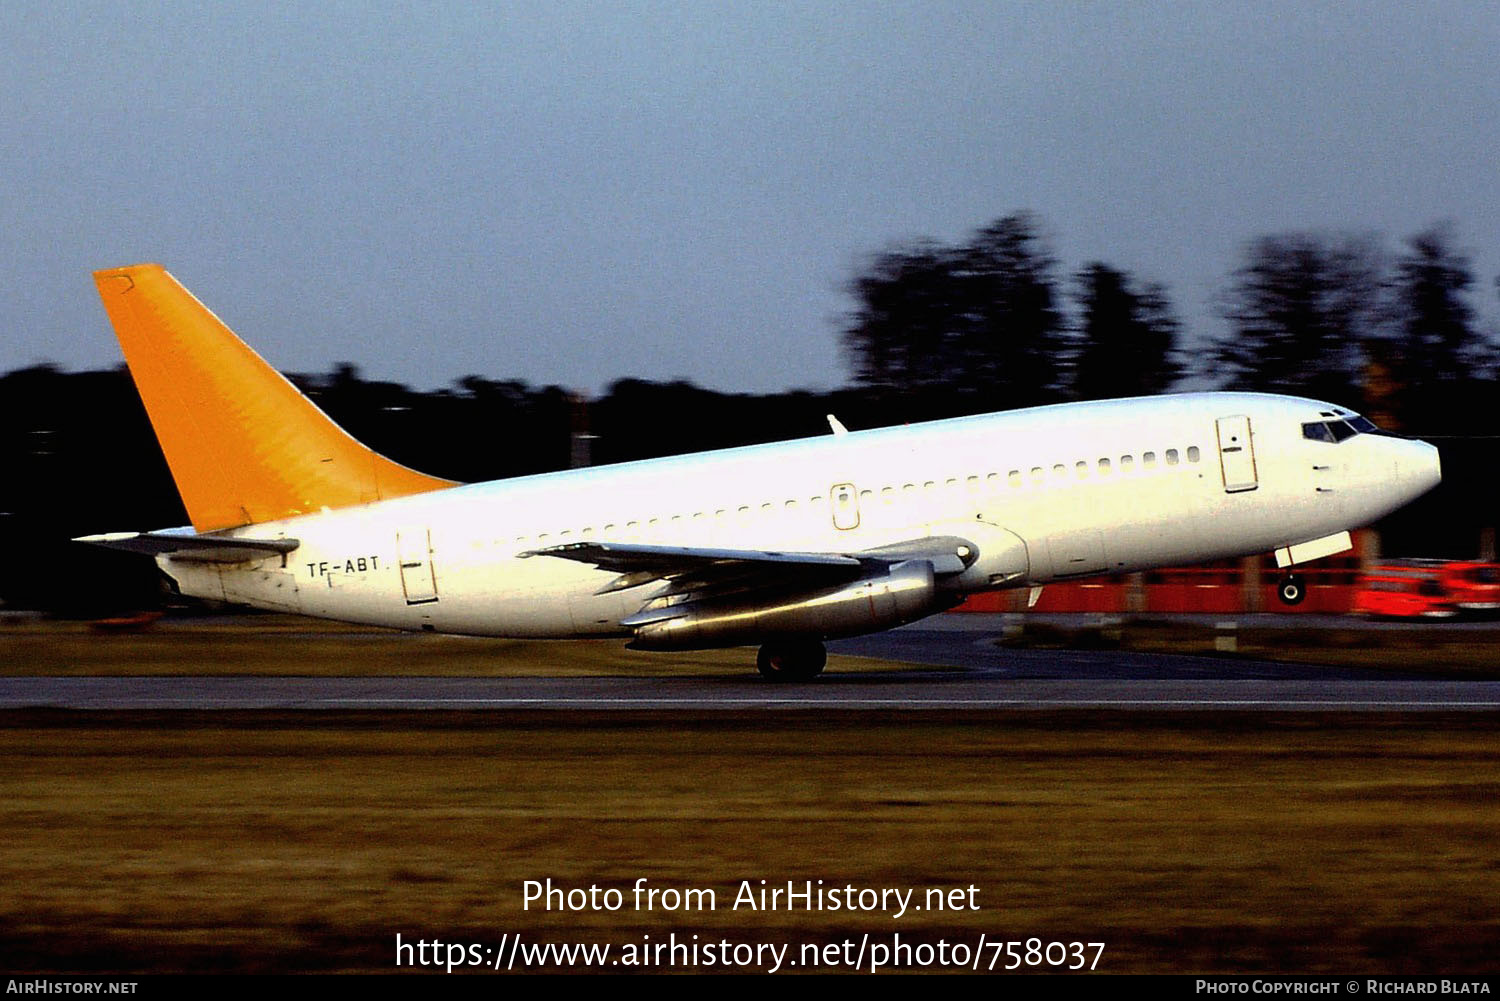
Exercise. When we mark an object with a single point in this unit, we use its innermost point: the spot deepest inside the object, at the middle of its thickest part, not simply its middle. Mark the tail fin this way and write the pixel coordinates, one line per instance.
(243, 444)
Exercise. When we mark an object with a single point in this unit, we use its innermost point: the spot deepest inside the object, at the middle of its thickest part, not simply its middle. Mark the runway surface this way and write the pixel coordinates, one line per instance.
(969, 670)
(914, 691)
(988, 677)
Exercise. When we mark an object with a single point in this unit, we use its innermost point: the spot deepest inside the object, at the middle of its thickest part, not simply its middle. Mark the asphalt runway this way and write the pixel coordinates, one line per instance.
(971, 672)
(902, 691)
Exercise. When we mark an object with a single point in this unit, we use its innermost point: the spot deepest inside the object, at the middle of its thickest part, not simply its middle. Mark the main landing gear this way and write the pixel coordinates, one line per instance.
(1291, 589)
(791, 660)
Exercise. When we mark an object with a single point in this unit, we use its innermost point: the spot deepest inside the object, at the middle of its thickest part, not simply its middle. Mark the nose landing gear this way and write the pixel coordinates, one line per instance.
(1291, 589)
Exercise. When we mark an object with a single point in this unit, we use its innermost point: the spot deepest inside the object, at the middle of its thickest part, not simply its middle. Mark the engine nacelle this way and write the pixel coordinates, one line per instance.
(905, 594)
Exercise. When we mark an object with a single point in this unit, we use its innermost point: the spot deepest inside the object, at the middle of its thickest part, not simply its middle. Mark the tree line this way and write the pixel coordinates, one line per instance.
(934, 331)
(986, 324)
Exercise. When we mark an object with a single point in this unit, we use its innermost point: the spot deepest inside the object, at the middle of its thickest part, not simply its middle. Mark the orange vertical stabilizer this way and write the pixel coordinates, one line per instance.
(243, 444)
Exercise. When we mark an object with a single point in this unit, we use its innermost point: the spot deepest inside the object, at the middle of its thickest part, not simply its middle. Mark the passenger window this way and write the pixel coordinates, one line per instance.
(1193, 453)
(1060, 469)
(1038, 474)
(791, 505)
(1082, 467)
(1148, 459)
(1171, 456)
(1014, 478)
(1126, 461)
(973, 483)
(1103, 465)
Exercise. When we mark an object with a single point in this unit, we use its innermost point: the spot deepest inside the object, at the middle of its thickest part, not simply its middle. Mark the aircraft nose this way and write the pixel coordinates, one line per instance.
(1418, 466)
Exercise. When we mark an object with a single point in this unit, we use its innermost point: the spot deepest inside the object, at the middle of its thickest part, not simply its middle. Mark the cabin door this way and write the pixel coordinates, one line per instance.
(1236, 454)
(418, 580)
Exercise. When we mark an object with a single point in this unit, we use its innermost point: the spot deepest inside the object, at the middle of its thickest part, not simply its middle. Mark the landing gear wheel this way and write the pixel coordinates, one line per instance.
(791, 660)
(1291, 590)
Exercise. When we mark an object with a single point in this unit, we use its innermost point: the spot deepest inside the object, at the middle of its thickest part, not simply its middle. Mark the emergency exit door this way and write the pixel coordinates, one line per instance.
(1236, 454)
(418, 580)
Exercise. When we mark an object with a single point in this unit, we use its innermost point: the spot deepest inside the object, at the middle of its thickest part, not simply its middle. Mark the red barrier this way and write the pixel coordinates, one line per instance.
(1237, 586)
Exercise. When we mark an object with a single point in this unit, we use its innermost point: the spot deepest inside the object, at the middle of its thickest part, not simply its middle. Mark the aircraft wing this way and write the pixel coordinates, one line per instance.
(708, 572)
(193, 548)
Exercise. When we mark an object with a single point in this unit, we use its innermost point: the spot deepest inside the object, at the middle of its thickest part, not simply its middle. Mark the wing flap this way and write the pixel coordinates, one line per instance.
(688, 570)
(709, 573)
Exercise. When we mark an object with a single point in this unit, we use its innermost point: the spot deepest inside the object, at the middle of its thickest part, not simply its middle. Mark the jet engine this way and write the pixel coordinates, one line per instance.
(906, 593)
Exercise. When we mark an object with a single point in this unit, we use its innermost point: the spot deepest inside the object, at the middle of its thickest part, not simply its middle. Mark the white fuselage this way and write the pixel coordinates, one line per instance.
(1045, 494)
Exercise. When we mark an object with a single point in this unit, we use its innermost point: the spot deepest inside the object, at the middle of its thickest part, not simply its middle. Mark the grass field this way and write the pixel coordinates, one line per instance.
(1429, 649)
(292, 645)
(1204, 842)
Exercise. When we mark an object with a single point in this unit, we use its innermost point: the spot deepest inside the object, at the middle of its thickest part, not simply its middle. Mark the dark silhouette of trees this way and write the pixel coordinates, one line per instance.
(1126, 338)
(1446, 362)
(476, 429)
(963, 328)
(1301, 310)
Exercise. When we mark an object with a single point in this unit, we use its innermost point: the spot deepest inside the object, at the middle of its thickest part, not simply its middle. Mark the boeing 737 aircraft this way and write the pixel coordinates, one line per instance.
(782, 545)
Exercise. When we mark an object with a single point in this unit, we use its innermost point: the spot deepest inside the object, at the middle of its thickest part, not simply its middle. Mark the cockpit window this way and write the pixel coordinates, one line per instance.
(1317, 431)
(1334, 431)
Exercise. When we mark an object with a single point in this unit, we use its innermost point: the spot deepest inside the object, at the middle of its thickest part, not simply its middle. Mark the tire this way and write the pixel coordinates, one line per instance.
(791, 660)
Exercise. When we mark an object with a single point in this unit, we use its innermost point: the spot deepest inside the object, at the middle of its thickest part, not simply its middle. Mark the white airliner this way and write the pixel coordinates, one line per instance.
(782, 545)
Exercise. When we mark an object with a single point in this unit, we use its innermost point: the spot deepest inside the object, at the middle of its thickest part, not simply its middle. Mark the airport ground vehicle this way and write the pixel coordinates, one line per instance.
(1429, 589)
(1405, 590)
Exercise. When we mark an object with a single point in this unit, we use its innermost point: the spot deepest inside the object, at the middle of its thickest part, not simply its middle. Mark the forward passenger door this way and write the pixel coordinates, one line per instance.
(1236, 454)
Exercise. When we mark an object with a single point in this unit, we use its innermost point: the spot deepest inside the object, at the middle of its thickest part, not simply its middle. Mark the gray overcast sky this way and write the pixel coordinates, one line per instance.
(572, 193)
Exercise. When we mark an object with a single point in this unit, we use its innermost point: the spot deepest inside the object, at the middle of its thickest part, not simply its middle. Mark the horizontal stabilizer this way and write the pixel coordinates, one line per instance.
(193, 548)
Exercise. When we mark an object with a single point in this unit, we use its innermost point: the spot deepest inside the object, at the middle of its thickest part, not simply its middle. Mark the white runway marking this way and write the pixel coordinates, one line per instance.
(934, 703)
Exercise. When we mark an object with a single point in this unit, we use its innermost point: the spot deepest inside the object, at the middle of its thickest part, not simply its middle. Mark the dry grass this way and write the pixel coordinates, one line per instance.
(1187, 843)
(1430, 650)
(291, 645)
